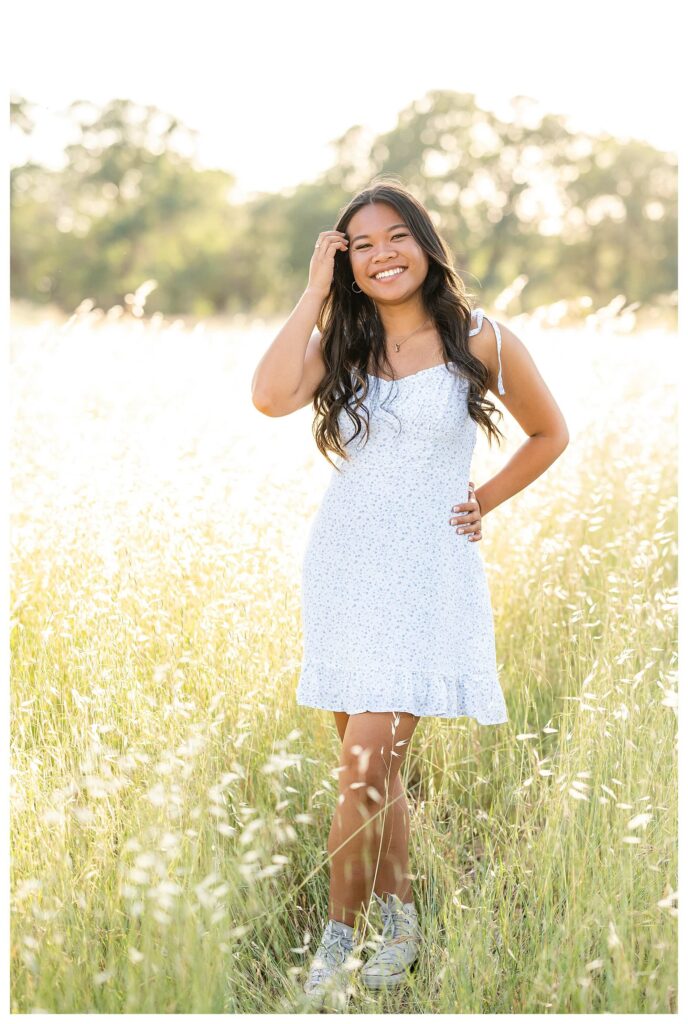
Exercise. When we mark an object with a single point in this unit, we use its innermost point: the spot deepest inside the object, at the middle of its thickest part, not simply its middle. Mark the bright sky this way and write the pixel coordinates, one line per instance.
(269, 85)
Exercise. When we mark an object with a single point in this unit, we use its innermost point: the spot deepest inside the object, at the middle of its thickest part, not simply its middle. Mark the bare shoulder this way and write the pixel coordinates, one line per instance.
(483, 345)
(526, 394)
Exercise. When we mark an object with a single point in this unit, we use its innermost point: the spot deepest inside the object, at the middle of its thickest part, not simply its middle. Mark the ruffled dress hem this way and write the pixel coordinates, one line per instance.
(436, 696)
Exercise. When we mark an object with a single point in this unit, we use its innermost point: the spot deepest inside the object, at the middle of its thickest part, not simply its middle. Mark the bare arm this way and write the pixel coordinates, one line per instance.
(280, 372)
(532, 405)
(291, 370)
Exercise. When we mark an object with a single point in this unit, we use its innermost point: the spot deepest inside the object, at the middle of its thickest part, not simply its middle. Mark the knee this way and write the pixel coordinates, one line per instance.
(370, 779)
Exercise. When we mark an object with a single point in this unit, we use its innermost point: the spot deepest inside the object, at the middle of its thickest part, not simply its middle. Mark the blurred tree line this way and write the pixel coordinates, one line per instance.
(576, 214)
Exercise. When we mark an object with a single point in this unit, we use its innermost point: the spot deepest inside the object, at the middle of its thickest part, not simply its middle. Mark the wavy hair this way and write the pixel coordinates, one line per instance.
(353, 336)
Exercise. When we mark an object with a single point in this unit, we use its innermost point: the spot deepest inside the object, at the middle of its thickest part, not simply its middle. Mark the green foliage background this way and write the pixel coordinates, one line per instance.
(577, 214)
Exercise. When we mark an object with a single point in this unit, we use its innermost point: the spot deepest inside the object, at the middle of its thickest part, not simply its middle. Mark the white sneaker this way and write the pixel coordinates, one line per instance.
(400, 944)
(329, 978)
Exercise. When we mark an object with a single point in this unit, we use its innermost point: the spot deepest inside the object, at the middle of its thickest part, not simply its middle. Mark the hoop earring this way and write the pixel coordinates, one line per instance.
(357, 291)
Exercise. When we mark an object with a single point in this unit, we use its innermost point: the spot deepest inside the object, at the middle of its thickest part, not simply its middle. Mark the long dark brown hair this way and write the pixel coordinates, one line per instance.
(353, 336)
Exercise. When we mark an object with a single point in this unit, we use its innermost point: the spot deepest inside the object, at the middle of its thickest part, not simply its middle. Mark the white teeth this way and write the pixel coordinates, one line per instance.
(390, 273)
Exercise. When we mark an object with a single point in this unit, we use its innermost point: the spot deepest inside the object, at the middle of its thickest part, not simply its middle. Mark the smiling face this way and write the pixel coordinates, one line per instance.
(379, 241)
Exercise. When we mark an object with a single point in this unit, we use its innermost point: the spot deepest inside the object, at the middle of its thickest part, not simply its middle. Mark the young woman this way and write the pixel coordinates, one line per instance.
(396, 610)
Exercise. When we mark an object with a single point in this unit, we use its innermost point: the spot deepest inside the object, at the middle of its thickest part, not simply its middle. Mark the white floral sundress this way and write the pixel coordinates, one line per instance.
(395, 606)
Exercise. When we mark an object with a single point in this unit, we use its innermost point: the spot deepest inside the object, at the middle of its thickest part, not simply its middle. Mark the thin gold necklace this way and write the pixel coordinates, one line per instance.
(398, 344)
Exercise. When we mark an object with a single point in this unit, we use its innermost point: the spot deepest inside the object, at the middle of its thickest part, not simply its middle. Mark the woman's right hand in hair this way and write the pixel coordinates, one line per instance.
(321, 270)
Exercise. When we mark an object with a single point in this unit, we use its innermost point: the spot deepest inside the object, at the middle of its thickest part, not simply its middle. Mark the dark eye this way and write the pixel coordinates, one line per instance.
(398, 235)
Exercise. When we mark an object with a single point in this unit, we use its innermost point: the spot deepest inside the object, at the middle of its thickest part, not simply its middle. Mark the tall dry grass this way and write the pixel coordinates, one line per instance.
(170, 802)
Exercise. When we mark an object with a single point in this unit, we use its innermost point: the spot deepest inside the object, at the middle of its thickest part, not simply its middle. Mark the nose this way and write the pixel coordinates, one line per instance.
(385, 257)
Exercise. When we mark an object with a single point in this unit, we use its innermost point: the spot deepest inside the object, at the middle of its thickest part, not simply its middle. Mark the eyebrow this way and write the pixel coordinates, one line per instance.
(386, 229)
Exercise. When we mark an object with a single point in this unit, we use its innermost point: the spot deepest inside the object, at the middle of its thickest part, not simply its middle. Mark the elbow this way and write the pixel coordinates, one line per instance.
(267, 405)
(259, 394)
(264, 398)
(564, 434)
(556, 442)
(262, 403)
(560, 435)
(562, 439)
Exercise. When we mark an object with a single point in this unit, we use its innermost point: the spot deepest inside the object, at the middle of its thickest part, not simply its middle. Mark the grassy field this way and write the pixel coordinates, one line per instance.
(170, 803)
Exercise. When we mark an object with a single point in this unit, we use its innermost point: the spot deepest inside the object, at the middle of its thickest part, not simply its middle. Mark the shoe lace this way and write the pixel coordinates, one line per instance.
(394, 920)
(333, 950)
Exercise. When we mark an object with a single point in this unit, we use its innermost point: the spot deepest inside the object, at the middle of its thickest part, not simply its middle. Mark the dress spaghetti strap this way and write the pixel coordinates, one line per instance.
(480, 314)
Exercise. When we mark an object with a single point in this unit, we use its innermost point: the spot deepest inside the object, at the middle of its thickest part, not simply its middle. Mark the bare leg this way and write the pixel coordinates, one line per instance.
(394, 864)
(368, 842)
(341, 721)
